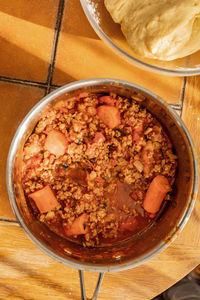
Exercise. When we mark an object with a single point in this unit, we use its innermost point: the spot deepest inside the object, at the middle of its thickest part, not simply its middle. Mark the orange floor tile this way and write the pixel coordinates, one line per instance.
(26, 37)
(80, 46)
(16, 101)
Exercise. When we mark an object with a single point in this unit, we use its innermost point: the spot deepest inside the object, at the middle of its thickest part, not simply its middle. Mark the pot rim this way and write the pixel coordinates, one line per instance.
(16, 140)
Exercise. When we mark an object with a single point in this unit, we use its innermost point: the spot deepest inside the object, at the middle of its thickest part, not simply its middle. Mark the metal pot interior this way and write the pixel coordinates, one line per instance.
(139, 249)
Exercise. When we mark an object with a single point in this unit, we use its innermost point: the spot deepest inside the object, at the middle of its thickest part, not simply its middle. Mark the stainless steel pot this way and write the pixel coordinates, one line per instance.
(140, 249)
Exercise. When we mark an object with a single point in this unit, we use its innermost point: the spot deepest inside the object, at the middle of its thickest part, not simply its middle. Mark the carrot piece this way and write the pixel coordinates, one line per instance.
(109, 115)
(78, 226)
(83, 95)
(44, 199)
(99, 138)
(137, 133)
(145, 157)
(155, 194)
(56, 142)
(107, 100)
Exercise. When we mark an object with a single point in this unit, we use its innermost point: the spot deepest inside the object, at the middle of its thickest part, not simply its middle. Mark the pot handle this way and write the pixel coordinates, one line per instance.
(82, 284)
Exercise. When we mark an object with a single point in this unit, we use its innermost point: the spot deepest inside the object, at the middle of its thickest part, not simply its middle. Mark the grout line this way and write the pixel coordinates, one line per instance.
(28, 82)
(56, 86)
(52, 86)
(55, 44)
(23, 82)
(183, 93)
(9, 220)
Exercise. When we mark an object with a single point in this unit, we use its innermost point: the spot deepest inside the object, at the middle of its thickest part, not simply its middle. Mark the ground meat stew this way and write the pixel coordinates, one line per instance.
(97, 168)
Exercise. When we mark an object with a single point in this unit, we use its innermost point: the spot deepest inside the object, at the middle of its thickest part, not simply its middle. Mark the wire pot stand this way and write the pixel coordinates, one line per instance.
(82, 285)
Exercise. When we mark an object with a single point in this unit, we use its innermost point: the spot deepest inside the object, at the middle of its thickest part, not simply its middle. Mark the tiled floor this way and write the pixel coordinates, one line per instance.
(17, 100)
(27, 33)
(35, 35)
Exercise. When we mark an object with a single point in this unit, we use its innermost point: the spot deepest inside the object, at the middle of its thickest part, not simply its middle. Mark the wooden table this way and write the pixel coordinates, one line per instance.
(45, 44)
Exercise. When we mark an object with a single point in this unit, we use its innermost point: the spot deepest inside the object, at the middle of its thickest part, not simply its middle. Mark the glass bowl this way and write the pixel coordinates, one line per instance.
(111, 34)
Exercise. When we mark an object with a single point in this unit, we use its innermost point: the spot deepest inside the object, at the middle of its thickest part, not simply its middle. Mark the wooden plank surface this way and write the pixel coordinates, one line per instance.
(191, 117)
(27, 273)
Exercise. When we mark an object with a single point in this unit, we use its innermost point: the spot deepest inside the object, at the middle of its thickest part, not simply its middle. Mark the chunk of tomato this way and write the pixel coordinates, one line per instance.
(78, 227)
